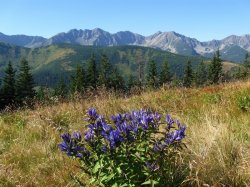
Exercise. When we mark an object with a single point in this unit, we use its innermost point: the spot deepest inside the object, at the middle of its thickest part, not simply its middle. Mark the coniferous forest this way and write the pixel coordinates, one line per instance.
(18, 86)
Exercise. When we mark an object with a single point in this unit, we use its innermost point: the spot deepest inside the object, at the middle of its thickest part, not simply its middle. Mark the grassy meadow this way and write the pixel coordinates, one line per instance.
(218, 135)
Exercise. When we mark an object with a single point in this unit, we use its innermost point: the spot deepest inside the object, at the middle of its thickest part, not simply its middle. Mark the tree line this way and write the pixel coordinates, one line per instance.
(17, 90)
(17, 87)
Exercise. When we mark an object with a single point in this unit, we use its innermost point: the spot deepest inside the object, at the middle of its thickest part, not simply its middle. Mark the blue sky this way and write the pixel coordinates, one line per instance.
(201, 19)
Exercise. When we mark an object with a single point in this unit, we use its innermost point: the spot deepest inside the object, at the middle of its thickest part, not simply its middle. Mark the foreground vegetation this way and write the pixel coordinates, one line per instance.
(218, 135)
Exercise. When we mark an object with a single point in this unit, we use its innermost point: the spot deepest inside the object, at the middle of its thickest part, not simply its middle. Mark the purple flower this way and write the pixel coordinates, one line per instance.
(92, 114)
(104, 149)
(66, 142)
(77, 136)
(106, 127)
(152, 166)
(181, 133)
(145, 121)
(157, 117)
(159, 146)
(71, 146)
(114, 138)
(117, 118)
(169, 121)
(89, 135)
(176, 135)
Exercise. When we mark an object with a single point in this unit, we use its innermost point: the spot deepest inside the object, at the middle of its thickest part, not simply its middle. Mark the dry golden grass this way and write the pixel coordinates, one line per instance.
(218, 135)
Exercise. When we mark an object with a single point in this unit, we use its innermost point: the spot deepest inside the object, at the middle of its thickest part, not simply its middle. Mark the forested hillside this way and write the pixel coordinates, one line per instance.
(53, 62)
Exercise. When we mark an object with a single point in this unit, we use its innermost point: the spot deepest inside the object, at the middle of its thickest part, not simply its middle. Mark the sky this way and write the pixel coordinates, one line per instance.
(201, 19)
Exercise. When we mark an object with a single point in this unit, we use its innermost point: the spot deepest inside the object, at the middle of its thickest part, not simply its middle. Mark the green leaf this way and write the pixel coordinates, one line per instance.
(147, 182)
(119, 170)
(115, 185)
(96, 167)
(150, 182)
(124, 185)
(92, 180)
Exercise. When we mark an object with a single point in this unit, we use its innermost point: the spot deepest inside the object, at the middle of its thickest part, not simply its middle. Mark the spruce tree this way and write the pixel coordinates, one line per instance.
(61, 89)
(24, 83)
(165, 76)
(41, 95)
(215, 68)
(8, 87)
(200, 74)
(78, 80)
(152, 80)
(104, 72)
(188, 75)
(116, 80)
(1, 97)
(246, 62)
(131, 82)
(91, 73)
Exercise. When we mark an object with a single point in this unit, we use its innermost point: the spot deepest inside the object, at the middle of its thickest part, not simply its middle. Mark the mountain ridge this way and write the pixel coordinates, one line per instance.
(169, 41)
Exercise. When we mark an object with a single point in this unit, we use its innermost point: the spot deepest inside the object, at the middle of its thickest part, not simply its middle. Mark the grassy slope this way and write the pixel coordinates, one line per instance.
(218, 135)
(60, 60)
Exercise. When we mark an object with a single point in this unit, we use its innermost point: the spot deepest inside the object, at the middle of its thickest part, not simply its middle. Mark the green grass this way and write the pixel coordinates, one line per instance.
(218, 135)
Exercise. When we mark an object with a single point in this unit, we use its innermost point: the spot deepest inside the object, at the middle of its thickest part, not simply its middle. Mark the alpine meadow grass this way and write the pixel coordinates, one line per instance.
(217, 140)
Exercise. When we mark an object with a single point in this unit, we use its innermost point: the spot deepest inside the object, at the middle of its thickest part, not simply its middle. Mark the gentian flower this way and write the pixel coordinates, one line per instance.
(71, 146)
(92, 114)
(159, 146)
(89, 135)
(117, 118)
(169, 121)
(77, 136)
(153, 166)
(114, 138)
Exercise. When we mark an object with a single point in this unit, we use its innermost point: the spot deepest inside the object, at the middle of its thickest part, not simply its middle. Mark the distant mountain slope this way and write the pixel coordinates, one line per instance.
(168, 41)
(23, 40)
(51, 62)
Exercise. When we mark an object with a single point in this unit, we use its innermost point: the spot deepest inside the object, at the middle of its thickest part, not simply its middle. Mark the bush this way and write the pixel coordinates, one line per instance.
(135, 149)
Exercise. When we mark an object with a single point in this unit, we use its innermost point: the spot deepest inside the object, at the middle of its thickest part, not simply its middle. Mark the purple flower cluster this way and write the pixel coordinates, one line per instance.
(125, 129)
(171, 137)
(72, 145)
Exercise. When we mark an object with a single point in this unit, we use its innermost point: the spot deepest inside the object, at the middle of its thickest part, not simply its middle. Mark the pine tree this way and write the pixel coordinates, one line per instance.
(41, 95)
(61, 89)
(131, 82)
(8, 87)
(91, 73)
(116, 80)
(165, 76)
(141, 64)
(1, 97)
(78, 80)
(24, 83)
(152, 80)
(246, 62)
(188, 75)
(104, 72)
(215, 68)
(200, 74)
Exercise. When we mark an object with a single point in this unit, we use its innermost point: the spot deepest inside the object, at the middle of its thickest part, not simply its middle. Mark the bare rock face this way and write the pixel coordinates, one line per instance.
(169, 41)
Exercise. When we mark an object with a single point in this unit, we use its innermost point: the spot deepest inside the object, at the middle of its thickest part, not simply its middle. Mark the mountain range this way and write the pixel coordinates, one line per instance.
(232, 47)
